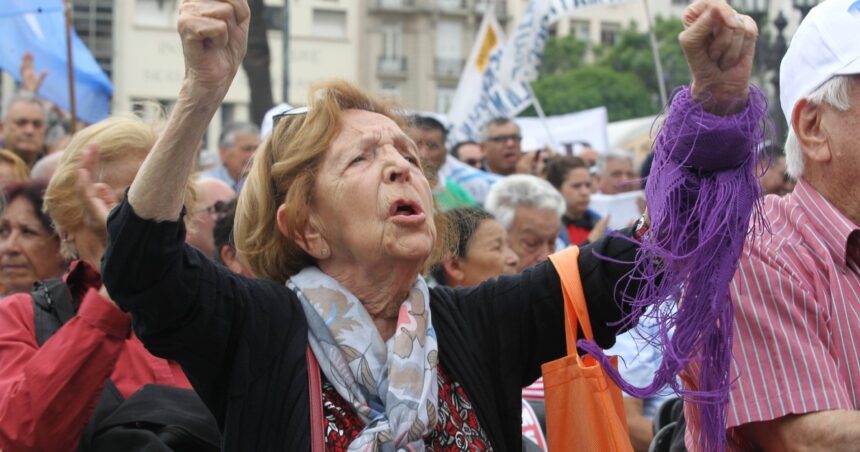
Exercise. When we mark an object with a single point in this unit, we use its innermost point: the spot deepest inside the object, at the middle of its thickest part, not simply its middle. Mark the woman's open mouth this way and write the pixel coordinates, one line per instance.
(406, 211)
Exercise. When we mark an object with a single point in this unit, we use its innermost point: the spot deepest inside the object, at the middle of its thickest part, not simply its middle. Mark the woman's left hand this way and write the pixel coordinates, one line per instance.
(719, 45)
(97, 196)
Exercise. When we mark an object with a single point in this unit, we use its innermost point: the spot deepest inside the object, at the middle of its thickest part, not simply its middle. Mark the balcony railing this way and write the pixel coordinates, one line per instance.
(449, 67)
(391, 66)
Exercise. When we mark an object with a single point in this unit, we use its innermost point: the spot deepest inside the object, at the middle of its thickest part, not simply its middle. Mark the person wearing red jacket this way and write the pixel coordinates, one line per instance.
(48, 394)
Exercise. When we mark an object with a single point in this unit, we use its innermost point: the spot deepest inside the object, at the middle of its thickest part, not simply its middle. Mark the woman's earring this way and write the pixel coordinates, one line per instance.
(324, 252)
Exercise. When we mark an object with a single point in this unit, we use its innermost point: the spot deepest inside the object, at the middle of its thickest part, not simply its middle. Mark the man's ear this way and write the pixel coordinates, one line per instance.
(454, 274)
(812, 137)
(314, 243)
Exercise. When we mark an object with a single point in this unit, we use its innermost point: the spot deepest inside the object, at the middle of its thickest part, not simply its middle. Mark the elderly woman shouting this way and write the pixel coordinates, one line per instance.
(337, 220)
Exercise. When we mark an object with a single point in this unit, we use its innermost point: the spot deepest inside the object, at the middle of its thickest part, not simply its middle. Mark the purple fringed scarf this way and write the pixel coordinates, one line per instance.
(701, 194)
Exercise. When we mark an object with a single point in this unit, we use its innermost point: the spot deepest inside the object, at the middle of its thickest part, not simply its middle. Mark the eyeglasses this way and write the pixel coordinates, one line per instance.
(504, 138)
(217, 210)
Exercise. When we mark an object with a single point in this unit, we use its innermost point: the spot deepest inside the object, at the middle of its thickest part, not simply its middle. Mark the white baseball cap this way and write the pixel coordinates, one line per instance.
(826, 43)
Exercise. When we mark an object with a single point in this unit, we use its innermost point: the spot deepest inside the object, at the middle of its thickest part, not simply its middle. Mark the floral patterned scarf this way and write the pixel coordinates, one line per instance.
(390, 385)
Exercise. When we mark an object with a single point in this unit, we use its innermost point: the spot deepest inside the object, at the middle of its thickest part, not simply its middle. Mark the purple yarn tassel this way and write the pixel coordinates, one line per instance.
(701, 194)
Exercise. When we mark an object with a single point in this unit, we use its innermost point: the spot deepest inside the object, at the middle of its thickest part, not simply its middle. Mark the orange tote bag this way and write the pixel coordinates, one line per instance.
(584, 411)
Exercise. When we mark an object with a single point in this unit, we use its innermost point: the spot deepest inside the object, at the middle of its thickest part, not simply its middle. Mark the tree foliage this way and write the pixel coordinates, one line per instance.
(622, 76)
(633, 54)
(562, 54)
(622, 93)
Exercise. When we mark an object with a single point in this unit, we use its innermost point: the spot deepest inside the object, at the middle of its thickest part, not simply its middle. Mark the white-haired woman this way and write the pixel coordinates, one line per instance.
(337, 219)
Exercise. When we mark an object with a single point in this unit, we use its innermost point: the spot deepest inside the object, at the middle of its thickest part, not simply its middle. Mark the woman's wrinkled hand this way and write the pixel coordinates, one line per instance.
(719, 44)
(214, 37)
(98, 198)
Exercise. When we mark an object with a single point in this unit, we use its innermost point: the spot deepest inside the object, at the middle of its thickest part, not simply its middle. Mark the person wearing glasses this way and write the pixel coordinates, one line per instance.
(339, 342)
(23, 125)
(213, 196)
(501, 146)
(470, 153)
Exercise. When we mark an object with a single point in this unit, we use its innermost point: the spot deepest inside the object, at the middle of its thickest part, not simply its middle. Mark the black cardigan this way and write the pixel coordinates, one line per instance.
(242, 341)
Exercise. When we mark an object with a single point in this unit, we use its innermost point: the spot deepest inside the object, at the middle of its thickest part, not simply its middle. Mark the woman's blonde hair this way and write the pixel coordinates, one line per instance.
(19, 167)
(284, 171)
(120, 141)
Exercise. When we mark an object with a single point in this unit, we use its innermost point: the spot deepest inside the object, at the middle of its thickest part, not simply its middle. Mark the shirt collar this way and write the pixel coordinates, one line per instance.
(834, 229)
(82, 277)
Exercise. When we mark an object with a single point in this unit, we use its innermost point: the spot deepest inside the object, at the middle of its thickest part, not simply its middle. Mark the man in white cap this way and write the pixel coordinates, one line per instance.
(797, 290)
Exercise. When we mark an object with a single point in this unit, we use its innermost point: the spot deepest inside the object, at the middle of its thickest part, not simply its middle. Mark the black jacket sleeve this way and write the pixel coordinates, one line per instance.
(523, 315)
(222, 328)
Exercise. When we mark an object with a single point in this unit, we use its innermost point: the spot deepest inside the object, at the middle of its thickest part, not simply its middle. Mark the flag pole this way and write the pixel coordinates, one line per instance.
(655, 53)
(71, 66)
(542, 117)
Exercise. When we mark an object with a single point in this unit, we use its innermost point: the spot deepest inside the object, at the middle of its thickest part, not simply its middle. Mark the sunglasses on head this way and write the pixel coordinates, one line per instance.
(291, 112)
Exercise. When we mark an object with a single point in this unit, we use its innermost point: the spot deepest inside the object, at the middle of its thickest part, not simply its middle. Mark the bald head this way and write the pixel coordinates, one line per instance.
(44, 169)
(214, 195)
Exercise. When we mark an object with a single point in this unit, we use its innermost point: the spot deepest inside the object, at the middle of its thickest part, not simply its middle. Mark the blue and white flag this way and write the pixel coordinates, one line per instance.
(38, 27)
(505, 84)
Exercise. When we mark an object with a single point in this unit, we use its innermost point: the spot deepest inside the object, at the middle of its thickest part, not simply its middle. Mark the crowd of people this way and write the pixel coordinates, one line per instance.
(351, 281)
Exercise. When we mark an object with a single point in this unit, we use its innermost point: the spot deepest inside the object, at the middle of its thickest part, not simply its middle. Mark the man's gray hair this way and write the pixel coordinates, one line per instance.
(522, 190)
(834, 92)
(499, 121)
(228, 135)
(616, 154)
(22, 96)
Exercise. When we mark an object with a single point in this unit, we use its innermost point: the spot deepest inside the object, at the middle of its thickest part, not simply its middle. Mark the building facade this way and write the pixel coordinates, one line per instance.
(136, 43)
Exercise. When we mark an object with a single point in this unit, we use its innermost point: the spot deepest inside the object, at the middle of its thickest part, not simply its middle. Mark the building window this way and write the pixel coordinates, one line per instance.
(93, 21)
(444, 98)
(581, 29)
(450, 4)
(155, 13)
(680, 2)
(329, 24)
(274, 17)
(391, 89)
(610, 32)
(449, 48)
(392, 41)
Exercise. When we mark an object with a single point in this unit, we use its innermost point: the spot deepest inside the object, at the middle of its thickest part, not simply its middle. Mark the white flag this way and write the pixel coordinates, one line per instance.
(490, 38)
(504, 89)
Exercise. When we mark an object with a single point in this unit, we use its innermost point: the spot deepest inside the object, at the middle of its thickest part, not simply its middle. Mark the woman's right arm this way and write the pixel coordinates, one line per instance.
(214, 39)
(221, 327)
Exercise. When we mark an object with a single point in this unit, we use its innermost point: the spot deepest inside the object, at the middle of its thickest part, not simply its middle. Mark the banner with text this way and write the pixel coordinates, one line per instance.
(504, 84)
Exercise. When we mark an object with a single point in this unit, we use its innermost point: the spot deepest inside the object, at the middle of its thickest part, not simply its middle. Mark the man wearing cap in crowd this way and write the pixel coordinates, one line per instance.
(797, 290)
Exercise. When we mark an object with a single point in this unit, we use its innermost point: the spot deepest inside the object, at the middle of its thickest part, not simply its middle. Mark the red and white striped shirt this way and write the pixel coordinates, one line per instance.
(797, 314)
